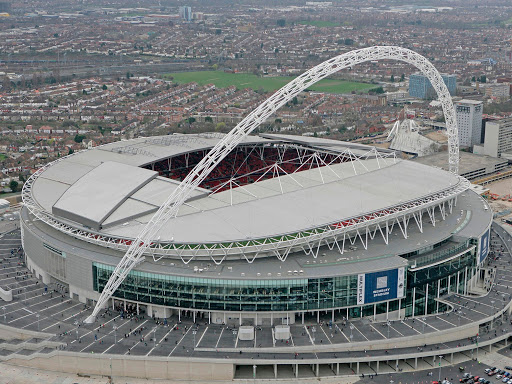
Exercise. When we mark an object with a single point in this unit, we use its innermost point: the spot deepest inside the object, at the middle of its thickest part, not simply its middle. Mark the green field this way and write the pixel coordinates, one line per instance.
(3, 156)
(248, 80)
(319, 23)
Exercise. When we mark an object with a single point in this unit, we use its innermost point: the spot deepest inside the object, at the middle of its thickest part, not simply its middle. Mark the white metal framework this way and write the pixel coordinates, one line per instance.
(169, 209)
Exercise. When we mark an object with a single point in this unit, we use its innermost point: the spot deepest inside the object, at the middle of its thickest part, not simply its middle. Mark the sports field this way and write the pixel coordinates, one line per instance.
(319, 23)
(248, 80)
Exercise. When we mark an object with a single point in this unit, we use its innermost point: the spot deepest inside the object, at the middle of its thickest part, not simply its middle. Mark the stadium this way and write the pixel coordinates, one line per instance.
(284, 227)
(292, 244)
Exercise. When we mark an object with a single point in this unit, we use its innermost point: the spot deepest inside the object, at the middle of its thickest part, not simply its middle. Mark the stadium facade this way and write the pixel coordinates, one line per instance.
(283, 227)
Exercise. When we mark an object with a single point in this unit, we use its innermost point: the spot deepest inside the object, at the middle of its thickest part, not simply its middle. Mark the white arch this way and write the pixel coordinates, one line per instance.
(169, 209)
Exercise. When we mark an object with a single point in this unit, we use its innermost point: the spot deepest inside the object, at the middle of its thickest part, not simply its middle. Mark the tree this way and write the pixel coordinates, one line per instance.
(278, 121)
(349, 42)
(295, 101)
(13, 185)
(220, 127)
(79, 138)
(104, 87)
(392, 78)
(402, 78)
(191, 120)
(128, 75)
(70, 152)
(378, 90)
(218, 31)
(281, 22)
(208, 119)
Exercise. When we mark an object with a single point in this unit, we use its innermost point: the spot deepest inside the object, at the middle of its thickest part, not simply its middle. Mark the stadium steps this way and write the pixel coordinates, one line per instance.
(16, 347)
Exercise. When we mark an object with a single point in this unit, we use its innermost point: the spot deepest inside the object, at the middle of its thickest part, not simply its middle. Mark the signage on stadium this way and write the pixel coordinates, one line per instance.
(380, 286)
(483, 246)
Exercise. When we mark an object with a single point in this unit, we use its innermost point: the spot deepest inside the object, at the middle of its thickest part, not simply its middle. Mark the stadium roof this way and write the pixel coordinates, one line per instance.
(105, 189)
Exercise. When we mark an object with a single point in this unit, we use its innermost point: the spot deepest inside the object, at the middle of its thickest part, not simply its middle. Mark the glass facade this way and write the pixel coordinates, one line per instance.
(205, 294)
(232, 295)
(420, 86)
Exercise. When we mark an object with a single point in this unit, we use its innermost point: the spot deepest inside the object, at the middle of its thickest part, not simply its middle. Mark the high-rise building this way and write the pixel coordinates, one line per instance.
(420, 86)
(186, 13)
(5, 6)
(469, 122)
(498, 139)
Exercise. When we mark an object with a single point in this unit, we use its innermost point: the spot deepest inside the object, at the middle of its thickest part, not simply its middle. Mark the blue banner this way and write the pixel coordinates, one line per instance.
(483, 246)
(380, 286)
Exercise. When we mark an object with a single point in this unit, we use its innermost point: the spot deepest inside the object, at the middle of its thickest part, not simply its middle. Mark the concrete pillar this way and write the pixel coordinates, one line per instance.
(302, 318)
(296, 370)
(317, 370)
(194, 316)
(413, 300)
(449, 280)
(179, 314)
(415, 363)
(387, 310)
(357, 368)
(209, 317)
(332, 317)
(378, 363)
(438, 292)
(240, 319)
(466, 281)
(275, 371)
(458, 278)
(124, 303)
(224, 318)
(255, 319)
(426, 300)
(318, 316)
(396, 366)
(272, 319)
(451, 358)
(337, 369)
(138, 309)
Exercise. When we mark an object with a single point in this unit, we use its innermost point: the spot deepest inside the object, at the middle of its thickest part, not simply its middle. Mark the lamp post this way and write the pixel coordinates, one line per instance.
(313, 330)
(37, 316)
(234, 335)
(440, 360)
(194, 332)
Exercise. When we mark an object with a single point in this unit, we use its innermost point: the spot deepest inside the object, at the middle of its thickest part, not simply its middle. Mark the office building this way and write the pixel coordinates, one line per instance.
(421, 88)
(498, 139)
(469, 121)
(186, 13)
